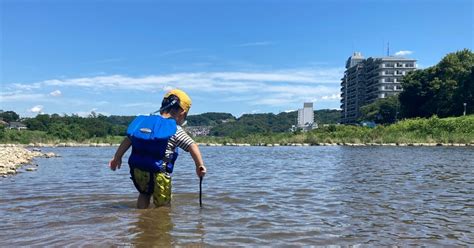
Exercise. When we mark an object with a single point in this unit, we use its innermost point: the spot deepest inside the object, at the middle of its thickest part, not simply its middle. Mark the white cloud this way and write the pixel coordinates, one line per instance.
(27, 86)
(403, 53)
(178, 51)
(331, 97)
(36, 109)
(167, 88)
(258, 43)
(55, 93)
(209, 81)
(268, 87)
(19, 96)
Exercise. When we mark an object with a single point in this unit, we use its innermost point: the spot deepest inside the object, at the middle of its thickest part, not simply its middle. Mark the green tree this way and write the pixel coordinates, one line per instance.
(383, 111)
(209, 119)
(9, 116)
(441, 89)
(59, 130)
(2, 132)
(44, 120)
(35, 124)
(327, 116)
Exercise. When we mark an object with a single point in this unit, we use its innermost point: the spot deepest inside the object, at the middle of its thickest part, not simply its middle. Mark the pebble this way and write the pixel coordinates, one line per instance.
(12, 157)
(50, 155)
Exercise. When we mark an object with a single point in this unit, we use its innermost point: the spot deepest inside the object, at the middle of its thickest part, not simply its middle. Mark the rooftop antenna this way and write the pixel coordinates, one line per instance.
(388, 49)
(383, 46)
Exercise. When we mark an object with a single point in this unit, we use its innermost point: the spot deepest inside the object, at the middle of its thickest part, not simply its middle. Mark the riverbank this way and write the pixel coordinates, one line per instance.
(52, 145)
(340, 144)
(433, 131)
(13, 157)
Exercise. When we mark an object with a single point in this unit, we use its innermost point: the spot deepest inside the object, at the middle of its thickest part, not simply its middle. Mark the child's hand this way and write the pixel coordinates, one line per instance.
(201, 171)
(115, 163)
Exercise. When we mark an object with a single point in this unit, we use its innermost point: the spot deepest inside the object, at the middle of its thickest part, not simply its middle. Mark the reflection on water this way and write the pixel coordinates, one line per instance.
(152, 228)
(251, 196)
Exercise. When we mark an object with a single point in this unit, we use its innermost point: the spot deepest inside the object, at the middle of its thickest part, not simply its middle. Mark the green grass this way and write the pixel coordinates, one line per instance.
(418, 130)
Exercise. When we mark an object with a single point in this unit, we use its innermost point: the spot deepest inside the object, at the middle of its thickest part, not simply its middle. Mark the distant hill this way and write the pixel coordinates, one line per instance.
(269, 123)
(327, 116)
(209, 119)
(95, 125)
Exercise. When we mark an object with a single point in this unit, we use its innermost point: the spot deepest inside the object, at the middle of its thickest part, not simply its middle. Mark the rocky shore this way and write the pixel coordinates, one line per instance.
(39, 145)
(14, 156)
(339, 144)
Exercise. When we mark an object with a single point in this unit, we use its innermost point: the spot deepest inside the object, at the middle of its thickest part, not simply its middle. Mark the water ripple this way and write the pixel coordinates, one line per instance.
(253, 196)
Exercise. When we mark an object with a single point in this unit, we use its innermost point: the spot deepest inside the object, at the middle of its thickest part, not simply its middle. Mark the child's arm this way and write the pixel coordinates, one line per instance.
(196, 155)
(116, 161)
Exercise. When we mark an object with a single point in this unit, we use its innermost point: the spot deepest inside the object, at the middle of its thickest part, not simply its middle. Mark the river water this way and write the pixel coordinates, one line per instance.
(252, 196)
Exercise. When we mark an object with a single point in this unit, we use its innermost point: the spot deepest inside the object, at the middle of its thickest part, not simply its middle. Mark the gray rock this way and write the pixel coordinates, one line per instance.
(49, 155)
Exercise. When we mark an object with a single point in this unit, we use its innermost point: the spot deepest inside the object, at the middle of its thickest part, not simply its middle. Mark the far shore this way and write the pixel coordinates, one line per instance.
(71, 144)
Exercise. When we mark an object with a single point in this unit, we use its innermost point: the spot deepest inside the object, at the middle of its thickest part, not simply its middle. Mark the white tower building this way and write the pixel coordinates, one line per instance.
(306, 115)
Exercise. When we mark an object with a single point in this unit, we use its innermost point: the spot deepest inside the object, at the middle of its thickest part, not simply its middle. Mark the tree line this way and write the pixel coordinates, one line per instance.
(269, 123)
(74, 127)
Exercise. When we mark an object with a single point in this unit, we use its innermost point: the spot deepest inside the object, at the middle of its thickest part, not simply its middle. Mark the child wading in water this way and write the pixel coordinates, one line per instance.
(154, 140)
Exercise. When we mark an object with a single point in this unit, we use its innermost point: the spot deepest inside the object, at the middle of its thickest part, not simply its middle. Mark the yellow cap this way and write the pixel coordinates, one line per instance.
(184, 99)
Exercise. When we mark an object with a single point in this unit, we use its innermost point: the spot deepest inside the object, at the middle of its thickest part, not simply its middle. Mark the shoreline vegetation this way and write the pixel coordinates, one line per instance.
(434, 131)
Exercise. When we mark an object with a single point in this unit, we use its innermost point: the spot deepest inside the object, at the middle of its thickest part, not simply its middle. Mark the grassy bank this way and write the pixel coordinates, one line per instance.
(431, 130)
(419, 130)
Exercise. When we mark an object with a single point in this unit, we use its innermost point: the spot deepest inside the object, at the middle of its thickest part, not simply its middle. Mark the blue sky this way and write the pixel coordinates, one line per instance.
(119, 57)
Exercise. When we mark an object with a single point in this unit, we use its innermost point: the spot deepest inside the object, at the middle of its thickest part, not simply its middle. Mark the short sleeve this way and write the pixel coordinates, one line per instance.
(182, 139)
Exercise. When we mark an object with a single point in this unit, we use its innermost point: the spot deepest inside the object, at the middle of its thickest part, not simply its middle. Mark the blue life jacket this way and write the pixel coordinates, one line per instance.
(150, 135)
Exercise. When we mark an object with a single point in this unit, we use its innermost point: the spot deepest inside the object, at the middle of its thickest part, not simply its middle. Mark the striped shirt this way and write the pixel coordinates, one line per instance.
(180, 139)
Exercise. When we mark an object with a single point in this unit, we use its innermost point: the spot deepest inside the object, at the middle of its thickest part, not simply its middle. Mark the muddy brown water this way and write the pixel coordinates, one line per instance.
(274, 196)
